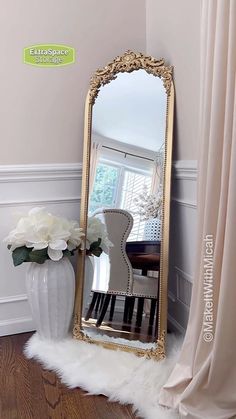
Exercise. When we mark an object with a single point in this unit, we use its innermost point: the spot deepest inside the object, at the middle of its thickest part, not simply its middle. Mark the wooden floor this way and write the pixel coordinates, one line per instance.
(28, 391)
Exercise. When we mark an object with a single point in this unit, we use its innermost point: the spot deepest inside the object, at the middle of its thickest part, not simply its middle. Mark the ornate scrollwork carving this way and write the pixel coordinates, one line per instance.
(157, 353)
(129, 62)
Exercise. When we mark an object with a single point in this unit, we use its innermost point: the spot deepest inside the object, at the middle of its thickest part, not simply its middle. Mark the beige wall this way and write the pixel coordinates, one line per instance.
(173, 32)
(41, 109)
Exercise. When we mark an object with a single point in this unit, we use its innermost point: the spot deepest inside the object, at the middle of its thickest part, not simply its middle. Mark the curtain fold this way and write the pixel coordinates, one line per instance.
(156, 177)
(94, 157)
(157, 173)
(203, 383)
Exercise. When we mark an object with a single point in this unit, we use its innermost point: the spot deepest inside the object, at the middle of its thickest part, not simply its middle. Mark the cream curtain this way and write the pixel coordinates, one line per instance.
(94, 157)
(203, 383)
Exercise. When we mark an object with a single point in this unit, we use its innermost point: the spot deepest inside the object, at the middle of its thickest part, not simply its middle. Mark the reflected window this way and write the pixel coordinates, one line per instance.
(116, 186)
(105, 187)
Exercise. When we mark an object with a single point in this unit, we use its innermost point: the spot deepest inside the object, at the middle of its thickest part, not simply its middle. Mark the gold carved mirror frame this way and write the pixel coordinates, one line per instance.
(129, 62)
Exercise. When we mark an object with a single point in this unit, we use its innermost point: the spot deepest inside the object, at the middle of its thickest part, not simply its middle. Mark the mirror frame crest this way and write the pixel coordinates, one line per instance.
(129, 62)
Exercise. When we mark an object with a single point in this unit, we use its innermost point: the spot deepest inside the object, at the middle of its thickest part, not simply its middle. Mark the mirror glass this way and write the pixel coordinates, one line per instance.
(124, 225)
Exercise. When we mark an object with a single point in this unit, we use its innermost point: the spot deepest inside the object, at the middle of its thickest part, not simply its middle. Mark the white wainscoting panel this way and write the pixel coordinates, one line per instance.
(56, 187)
(182, 242)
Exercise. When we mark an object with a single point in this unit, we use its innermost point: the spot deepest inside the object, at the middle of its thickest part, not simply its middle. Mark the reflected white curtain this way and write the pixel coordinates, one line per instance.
(155, 178)
(203, 383)
(94, 158)
(157, 174)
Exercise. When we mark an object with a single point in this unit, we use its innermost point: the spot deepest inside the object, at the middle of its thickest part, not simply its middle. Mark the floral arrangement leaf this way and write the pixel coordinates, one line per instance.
(38, 256)
(95, 248)
(20, 255)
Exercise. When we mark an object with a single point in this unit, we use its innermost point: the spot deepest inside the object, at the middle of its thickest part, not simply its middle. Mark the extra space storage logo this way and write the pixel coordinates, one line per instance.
(49, 55)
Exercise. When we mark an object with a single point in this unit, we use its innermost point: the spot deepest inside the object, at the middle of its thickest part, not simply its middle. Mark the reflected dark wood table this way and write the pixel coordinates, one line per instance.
(144, 255)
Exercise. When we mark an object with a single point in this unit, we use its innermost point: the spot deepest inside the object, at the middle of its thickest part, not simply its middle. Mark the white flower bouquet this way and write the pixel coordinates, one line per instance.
(149, 205)
(40, 236)
(97, 239)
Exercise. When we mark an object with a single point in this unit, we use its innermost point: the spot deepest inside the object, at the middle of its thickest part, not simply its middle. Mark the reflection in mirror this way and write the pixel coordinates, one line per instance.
(124, 232)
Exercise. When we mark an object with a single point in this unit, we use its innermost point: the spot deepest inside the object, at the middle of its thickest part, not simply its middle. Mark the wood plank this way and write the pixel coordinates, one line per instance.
(28, 391)
(8, 405)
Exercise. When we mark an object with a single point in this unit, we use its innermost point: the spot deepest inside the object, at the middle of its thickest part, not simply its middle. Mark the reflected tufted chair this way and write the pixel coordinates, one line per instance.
(113, 273)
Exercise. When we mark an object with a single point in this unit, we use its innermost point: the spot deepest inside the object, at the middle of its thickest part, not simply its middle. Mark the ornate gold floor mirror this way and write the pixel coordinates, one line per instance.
(121, 296)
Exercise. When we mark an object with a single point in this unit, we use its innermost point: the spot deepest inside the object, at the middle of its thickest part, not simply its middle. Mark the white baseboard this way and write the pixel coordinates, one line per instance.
(17, 325)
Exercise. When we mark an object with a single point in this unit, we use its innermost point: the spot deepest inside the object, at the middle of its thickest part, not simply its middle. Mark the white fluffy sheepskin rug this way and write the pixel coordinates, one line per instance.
(120, 376)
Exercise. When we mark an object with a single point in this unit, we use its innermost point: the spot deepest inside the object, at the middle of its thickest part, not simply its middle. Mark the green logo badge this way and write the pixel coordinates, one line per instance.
(49, 55)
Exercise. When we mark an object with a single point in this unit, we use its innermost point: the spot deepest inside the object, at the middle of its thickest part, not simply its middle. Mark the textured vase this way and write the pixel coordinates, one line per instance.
(88, 280)
(51, 290)
(152, 229)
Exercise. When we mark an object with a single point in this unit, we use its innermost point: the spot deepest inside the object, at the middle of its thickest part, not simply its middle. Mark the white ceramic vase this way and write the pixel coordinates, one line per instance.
(51, 291)
(152, 229)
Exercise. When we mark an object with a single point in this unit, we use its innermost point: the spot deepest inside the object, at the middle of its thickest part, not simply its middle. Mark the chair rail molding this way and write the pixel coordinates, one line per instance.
(13, 298)
(40, 172)
(185, 169)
